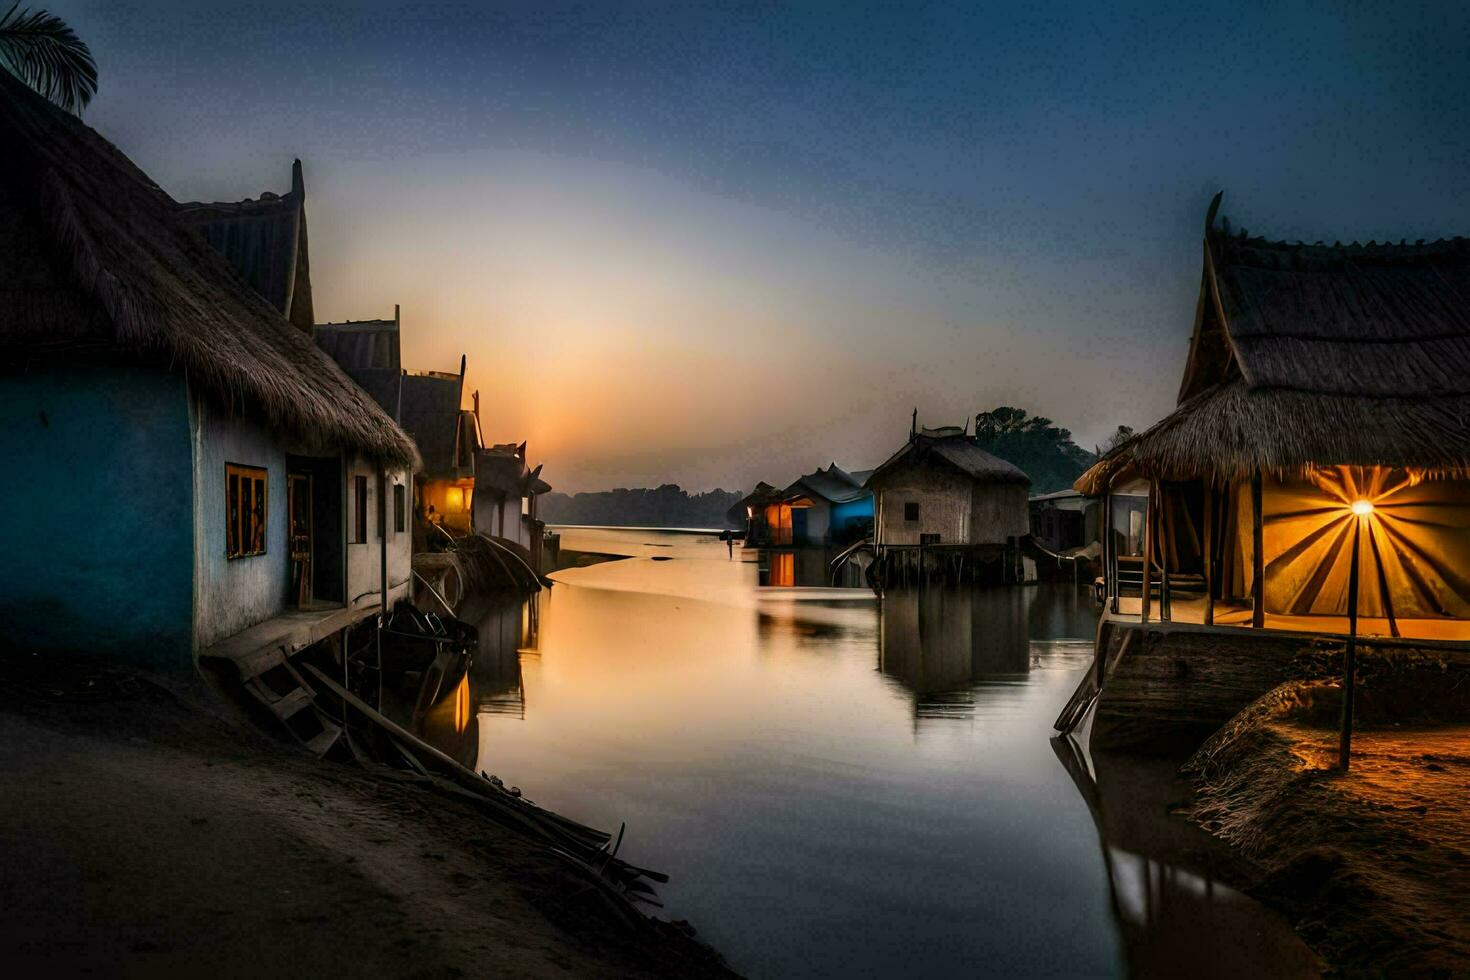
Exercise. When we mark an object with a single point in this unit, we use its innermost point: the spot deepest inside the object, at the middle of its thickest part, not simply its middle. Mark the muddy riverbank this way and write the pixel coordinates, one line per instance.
(1372, 866)
(146, 831)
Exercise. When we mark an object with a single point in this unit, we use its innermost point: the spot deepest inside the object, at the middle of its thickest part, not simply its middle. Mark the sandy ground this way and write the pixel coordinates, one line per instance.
(145, 832)
(1373, 865)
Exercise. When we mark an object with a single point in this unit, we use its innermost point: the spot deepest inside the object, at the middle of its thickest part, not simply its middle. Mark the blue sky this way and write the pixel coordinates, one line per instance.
(710, 244)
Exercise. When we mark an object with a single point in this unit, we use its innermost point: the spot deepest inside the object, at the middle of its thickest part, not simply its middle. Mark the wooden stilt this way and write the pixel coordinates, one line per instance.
(1150, 516)
(1258, 556)
(1165, 539)
(1209, 552)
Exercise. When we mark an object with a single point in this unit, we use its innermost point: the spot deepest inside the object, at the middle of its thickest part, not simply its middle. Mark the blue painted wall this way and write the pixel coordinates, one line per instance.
(853, 510)
(96, 514)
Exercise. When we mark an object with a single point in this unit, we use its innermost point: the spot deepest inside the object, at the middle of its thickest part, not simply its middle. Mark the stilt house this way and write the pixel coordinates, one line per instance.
(942, 489)
(181, 452)
(1323, 425)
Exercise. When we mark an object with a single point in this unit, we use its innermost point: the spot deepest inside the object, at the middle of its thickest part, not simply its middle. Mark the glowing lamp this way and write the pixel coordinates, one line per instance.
(1362, 508)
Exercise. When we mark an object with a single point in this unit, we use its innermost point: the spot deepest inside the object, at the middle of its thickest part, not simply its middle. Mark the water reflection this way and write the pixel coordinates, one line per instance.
(809, 568)
(946, 644)
(1169, 906)
(841, 785)
(509, 628)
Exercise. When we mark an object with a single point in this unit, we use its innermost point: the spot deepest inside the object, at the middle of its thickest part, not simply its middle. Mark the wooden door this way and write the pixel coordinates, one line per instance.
(298, 520)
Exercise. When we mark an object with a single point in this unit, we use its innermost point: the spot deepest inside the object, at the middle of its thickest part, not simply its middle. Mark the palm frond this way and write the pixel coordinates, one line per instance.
(46, 54)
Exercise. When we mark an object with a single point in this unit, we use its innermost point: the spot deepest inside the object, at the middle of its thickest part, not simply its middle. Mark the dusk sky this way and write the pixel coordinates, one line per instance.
(715, 244)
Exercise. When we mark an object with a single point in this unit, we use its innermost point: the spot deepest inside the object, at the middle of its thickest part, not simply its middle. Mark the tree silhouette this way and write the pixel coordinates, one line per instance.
(42, 51)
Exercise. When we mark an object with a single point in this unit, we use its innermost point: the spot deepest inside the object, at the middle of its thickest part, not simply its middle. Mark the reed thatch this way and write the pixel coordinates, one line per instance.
(1316, 355)
(94, 257)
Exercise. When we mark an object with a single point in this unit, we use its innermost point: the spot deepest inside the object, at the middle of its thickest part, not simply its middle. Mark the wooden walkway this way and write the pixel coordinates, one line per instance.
(270, 643)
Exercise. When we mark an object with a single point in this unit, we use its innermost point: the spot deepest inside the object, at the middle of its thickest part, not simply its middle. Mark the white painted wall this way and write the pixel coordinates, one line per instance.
(233, 594)
(364, 559)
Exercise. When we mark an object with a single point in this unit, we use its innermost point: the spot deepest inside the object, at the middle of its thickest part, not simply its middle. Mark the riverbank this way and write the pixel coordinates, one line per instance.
(148, 831)
(1373, 865)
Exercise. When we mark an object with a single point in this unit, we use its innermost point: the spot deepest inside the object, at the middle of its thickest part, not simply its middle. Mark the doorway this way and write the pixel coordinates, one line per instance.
(316, 531)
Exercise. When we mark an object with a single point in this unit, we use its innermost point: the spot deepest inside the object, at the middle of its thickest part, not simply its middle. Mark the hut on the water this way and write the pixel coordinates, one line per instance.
(1324, 414)
(828, 506)
(180, 449)
(941, 488)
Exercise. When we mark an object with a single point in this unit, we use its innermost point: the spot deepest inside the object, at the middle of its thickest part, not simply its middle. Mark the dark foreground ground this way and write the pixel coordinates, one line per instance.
(145, 831)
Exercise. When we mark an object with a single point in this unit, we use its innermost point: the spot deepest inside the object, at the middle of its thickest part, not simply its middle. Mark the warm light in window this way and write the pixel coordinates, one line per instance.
(1362, 507)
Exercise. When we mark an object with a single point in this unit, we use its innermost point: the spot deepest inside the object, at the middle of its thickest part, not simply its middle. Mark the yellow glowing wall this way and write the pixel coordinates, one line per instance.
(1413, 548)
(451, 499)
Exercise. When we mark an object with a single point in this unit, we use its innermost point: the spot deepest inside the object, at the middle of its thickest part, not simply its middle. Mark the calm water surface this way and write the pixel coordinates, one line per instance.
(838, 786)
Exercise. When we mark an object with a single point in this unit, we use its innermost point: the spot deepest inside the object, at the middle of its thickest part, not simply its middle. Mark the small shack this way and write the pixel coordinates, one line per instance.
(1065, 521)
(828, 506)
(1324, 409)
(943, 495)
(762, 525)
(181, 449)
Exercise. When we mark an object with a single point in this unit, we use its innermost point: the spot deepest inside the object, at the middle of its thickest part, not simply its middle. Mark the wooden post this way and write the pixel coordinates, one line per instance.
(1110, 565)
(1165, 536)
(1350, 655)
(1258, 556)
(1209, 552)
(1150, 515)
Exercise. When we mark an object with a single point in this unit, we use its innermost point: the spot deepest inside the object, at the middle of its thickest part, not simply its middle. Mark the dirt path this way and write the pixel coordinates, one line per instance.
(142, 833)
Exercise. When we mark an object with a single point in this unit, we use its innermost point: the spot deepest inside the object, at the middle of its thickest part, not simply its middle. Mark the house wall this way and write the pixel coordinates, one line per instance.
(854, 510)
(232, 594)
(818, 519)
(364, 558)
(944, 505)
(500, 516)
(998, 511)
(96, 529)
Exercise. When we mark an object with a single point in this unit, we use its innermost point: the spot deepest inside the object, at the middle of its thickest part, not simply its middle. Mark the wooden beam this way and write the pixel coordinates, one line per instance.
(1258, 556)
(1209, 551)
(1150, 515)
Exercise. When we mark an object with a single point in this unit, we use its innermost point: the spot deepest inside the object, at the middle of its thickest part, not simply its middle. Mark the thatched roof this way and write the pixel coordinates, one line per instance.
(1316, 355)
(954, 449)
(265, 240)
(93, 256)
(833, 484)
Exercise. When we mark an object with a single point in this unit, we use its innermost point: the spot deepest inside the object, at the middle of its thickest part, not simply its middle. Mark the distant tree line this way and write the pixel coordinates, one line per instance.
(666, 506)
(1042, 449)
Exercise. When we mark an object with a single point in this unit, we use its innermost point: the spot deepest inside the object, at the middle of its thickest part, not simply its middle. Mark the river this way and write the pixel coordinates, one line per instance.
(838, 785)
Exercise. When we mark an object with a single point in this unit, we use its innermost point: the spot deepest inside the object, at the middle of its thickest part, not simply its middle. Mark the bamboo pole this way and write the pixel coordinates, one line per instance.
(1258, 556)
(1150, 515)
(1209, 552)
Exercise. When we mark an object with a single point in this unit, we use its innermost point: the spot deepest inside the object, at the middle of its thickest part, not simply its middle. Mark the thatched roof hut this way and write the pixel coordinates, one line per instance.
(1323, 426)
(1316, 355)
(97, 262)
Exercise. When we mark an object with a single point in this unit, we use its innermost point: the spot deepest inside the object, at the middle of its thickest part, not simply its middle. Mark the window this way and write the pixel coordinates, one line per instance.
(911, 511)
(359, 510)
(245, 511)
(925, 539)
(398, 508)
